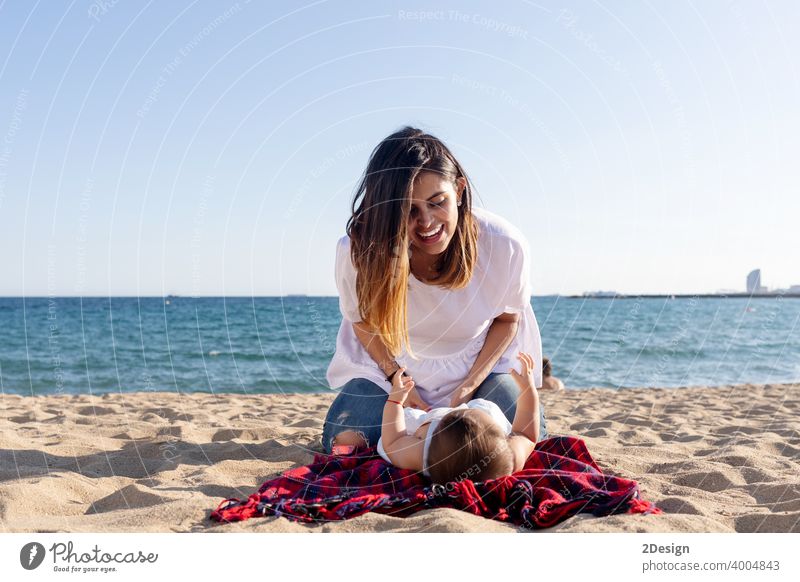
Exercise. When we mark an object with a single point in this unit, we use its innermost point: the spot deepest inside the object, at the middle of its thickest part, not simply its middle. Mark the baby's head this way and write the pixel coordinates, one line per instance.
(468, 444)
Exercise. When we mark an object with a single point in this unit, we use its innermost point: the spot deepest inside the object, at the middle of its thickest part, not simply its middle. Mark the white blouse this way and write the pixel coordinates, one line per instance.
(447, 328)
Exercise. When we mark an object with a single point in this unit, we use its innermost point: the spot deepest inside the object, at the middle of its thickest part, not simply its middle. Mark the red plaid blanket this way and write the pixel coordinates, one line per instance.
(559, 480)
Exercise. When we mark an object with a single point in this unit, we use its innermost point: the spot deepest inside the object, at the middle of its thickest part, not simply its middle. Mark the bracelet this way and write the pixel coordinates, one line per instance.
(391, 376)
(394, 402)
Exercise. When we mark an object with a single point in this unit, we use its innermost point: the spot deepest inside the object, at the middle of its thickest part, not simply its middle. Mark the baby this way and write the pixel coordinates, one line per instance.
(474, 440)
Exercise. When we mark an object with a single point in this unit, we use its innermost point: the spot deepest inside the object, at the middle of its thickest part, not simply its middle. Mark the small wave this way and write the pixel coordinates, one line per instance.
(214, 353)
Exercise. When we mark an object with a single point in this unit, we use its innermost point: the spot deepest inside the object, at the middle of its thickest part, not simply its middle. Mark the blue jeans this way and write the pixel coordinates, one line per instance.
(359, 407)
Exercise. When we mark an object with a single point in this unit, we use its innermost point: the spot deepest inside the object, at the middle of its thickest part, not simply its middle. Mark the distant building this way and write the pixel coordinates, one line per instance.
(754, 282)
(600, 294)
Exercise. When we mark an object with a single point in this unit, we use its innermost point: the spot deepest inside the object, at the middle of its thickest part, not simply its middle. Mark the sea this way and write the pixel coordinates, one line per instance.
(97, 345)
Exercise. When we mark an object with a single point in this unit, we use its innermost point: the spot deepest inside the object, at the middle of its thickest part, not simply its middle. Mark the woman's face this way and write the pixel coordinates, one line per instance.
(434, 212)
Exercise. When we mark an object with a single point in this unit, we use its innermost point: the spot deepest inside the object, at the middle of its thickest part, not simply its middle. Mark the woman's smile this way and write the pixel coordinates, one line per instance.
(432, 236)
(434, 212)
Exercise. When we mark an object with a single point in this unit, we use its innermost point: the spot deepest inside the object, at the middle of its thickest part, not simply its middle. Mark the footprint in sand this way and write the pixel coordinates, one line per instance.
(679, 505)
(769, 522)
(711, 481)
(96, 410)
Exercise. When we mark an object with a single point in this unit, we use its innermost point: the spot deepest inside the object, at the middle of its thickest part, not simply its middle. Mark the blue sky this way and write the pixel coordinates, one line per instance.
(212, 148)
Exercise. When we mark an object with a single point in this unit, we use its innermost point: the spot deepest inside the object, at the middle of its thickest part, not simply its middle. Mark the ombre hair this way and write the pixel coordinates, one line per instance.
(379, 238)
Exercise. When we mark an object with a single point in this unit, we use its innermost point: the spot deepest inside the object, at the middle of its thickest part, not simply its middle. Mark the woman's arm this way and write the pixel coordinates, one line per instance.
(375, 347)
(380, 353)
(501, 333)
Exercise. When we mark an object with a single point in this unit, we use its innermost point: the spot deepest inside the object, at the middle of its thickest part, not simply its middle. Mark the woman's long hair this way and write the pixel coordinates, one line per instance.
(379, 238)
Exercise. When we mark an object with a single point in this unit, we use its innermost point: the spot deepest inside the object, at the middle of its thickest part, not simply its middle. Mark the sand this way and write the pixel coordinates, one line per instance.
(714, 459)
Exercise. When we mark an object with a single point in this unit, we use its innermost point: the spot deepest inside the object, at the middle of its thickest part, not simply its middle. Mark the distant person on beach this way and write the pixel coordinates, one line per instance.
(550, 382)
(472, 441)
(430, 284)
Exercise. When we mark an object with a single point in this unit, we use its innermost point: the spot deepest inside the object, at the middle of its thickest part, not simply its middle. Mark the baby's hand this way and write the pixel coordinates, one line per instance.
(525, 380)
(401, 386)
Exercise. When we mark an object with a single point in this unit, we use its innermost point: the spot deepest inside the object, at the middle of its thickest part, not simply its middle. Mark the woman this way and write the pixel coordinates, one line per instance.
(428, 283)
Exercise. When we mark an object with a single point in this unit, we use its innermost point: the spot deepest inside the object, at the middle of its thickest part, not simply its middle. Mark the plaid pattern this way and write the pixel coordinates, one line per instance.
(559, 480)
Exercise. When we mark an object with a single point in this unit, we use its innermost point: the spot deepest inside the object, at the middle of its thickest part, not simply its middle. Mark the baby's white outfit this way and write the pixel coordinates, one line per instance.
(416, 418)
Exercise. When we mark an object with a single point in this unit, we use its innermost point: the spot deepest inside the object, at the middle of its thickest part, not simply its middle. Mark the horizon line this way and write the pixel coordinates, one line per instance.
(585, 295)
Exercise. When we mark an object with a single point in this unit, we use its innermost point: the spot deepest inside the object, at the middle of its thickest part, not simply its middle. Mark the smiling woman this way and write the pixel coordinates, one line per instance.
(428, 283)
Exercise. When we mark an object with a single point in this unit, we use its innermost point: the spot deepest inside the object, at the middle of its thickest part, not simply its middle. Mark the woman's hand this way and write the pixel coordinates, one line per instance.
(414, 400)
(525, 381)
(461, 395)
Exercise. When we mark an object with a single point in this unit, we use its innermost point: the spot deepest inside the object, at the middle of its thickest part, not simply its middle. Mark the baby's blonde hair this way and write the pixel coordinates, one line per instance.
(465, 446)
